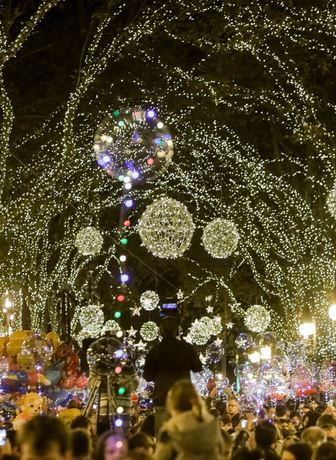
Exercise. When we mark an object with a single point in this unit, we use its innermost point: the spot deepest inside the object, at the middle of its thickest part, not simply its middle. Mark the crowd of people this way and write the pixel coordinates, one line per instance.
(195, 430)
(183, 425)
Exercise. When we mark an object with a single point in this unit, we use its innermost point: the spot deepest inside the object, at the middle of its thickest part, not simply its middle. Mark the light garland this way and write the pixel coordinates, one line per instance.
(166, 228)
(257, 318)
(149, 331)
(149, 300)
(89, 241)
(220, 238)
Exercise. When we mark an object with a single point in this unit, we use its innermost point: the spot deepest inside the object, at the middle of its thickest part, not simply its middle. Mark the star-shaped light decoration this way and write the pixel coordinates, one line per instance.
(136, 311)
(234, 306)
(141, 346)
(180, 295)
(208, 298)
(209, 309)
(131, 332)
(218, 342)
(229, 325)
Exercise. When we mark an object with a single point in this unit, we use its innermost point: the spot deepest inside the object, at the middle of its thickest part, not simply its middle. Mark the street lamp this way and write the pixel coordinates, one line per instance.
(332, 312)
(307, 329)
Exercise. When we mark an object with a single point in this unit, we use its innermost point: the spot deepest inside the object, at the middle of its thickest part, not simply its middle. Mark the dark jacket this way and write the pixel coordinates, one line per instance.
(183, 437)
(166, 363)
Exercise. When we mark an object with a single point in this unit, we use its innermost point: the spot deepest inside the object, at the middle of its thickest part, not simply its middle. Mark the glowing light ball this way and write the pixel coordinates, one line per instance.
(332, 312)
(244, 341)
(257, 318)
(166, 228)
(220, 238)
(307, 329)
(149, 331)
(89, 241)
(111, 326)
(91, 319)
(102, 355)
(133, 145)
(199, 333)
(149, 300)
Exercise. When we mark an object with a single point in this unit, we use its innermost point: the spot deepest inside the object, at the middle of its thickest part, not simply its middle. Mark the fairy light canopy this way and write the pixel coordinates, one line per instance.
(262, 131)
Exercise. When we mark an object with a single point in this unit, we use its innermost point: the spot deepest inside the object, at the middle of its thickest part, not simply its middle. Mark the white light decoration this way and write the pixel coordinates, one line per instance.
(220, 238)
(307, 329)
(214, 325)
(257, 318)
(266, 353)
(166, 228)
(111, 326)
(149, 331)
(254, 357)
(89, 241)
(331, 201)
(332, 312)
(199, 332)
(149, 300)
(91, 319)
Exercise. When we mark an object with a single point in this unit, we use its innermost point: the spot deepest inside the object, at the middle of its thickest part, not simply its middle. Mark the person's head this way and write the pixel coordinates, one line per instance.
(232, 407)
(295, 419)
(226, 422)
(326, 451)
(183, 397)
(265, 434)
(111, 446)
(80, 443)
(298, 451)
(328, 424)
(330, 410)
(44, 438)
(310, 419)
(80, 422)
(168, 328)
(314, 436)
(281, 411)
(141, 441)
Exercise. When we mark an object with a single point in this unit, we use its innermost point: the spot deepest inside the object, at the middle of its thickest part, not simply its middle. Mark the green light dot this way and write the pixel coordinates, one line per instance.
(124, 241)
(117, 314)
(116, 113)
(121, 178)
(121, 123)
(121, 391)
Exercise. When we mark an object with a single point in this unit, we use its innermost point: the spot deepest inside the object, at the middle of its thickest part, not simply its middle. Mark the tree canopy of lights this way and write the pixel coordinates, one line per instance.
(248, 93)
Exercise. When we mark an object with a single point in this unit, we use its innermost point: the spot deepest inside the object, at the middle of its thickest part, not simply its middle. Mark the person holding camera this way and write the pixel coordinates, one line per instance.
(166, 363)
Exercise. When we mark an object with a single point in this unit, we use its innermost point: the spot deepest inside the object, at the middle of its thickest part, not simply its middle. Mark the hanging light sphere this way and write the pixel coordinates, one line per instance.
(257, 318)
(199, 332)
(331, 201)
(89, 241)
(133, 145)
(220, 238)
(307, 329)
(149, 300)
(149, 331)
(91, 319)
(244, 341)
(111, 326)
(166, 228)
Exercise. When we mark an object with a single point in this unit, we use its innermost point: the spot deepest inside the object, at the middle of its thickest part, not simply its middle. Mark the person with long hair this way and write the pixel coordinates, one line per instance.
(191, 432)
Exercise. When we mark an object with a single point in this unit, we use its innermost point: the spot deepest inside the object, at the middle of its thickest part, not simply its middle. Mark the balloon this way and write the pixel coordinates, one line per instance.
(82, 381)
(40, 348)
(13, 382)
(54, 339)
(15, 342)
(53, 374)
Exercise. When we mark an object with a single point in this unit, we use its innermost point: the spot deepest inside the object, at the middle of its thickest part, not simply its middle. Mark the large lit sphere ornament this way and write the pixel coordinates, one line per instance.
(166, 228)
(331, 201)
(149, 300)
(91, 319)
(111, 326)
(149, 331)
(133, 145)
(89, 241)
(199, 333)
(257, 318)
(220, 238)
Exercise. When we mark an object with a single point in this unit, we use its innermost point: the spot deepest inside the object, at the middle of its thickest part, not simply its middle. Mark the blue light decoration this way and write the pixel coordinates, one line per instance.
(124, 277)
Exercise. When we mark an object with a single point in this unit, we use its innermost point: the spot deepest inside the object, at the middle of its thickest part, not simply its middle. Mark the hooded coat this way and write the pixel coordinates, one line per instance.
(184, 437)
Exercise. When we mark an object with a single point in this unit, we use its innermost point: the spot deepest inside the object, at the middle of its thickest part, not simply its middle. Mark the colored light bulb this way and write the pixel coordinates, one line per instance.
(116, 113)
(118, 423)
(127, 223)
(121, 391)
(124, 277)
(120, 297)
(117, 314)
(150, 113)
(124, 241)
(118, 370)
(128, 203)
(150, 161)
(122, 258)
